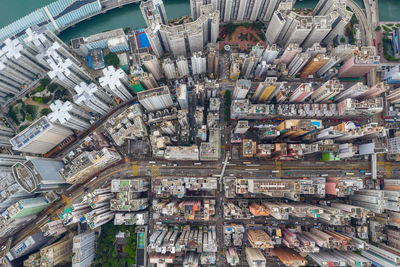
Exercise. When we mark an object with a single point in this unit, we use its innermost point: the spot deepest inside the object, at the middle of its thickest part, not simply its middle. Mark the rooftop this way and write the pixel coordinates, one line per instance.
(162, 90)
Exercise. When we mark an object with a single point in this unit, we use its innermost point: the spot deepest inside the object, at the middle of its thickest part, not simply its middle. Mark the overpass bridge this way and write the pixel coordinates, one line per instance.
(106, 5)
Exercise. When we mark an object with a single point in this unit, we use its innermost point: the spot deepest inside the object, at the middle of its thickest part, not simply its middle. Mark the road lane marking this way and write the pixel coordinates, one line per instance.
(388, 169)
(278, 167)
(134, 168)
(155, 171)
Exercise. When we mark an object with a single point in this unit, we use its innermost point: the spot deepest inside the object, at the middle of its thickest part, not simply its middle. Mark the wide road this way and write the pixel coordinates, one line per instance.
(127, 168)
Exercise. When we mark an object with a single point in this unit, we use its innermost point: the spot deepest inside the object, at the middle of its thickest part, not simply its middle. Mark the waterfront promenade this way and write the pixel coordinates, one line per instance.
(60, 15)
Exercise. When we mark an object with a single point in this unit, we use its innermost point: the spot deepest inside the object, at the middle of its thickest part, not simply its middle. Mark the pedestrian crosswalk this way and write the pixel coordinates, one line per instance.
(155, 171)
(134, 168)
(278, 167)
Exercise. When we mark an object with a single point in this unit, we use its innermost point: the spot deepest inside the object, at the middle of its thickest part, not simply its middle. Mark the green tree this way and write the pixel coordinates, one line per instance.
(45, 111)
(38, 89)
(126, 30)
(257, 25)
(114, 262)
(130, 261)
(378, 28)
(342, 40)
(31, 109)
(10, 95)
(261, 35)
(112, 59)
(114, 252)
(253, 38)
(127, 71)
(385, 28)
(51, 88)
(47, 99)
(106, 252)
(23, 115)
(122, 262)
(44, 82)
(12, 115)
(29, 118)
(38, 99)
(353, 20)
(22, 127)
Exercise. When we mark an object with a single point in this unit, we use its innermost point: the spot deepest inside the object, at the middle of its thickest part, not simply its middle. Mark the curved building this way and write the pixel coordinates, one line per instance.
(38, 174)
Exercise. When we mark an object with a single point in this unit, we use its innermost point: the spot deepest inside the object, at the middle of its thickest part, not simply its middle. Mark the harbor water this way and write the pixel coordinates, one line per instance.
(130, 15)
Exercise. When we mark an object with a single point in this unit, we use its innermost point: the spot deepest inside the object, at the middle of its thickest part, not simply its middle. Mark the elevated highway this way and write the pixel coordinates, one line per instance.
(367, 33)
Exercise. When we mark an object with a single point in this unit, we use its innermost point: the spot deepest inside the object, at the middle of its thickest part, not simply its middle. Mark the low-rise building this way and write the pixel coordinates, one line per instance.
(259, 239)
(255, 258)
(115, 40)
(232, 257)
(131, 185)
(128, 125)
(244, 110)
(180, 186)
(211, 150)
(54, 228)
(233, 235)
(128, 195)
(139, 218)
(182, 153)
(88, 163)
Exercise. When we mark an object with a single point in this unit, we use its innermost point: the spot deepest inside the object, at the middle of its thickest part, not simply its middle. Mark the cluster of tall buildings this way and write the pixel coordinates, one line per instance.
(202, 244)
(179, 40)
(287, 104)
(344, 140)
(307, 63)
(244, 10)
(328, 99)
(200, 63)
(335, 242)
(329, 18)
(31, 184)
(43, 53)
